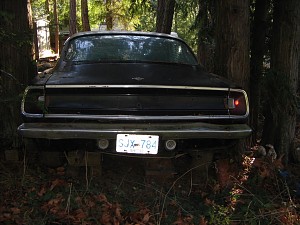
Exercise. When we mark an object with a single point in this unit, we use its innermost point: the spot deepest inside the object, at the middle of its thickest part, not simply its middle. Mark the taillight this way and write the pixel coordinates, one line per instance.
(237, 103)
(33, 101)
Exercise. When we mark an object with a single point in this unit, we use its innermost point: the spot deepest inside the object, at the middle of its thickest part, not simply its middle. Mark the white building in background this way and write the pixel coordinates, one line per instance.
(43, 38)
(43, 35)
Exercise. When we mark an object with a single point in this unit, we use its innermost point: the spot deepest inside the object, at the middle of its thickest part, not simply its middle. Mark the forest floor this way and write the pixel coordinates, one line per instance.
(259, 191)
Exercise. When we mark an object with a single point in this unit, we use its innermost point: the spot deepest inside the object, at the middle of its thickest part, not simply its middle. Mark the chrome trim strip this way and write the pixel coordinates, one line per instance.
(142, 86)
(137, 118)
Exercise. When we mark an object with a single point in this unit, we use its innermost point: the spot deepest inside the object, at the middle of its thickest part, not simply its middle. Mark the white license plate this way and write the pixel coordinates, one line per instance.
(137, 144)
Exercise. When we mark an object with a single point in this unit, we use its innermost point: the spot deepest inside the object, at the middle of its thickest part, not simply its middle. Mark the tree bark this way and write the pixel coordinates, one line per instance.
(56, 25)
(73, 18)
(109, 15)
(282, 83)
(47, 9)
(85, 16)
(258, 50)
(164, 17)
(232, 41)
(205, 50)
(16, 64)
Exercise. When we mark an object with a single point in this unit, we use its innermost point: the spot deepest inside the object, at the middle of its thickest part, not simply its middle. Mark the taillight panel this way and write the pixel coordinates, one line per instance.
(240, 104)
(33, 104)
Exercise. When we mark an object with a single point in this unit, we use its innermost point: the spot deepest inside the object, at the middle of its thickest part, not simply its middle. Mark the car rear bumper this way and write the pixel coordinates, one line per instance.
(192, 130)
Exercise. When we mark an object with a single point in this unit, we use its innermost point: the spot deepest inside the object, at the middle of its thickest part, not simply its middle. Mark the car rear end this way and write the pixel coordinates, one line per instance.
(132, 104)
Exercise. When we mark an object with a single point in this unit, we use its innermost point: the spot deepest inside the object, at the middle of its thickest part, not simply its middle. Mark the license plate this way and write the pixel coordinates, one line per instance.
(137, 144)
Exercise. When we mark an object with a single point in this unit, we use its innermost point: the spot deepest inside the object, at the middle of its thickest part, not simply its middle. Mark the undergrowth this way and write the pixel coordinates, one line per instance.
(259, 192)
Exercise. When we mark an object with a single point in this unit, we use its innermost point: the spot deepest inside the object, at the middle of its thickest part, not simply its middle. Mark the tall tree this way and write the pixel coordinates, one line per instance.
(206, 22)
(85, 16)
(164, 17)
(232, 41)
(16, 64)
(109, 15)
(73, 18)
(282, 81)
(56, 25)
(47, 9)
(258, 50)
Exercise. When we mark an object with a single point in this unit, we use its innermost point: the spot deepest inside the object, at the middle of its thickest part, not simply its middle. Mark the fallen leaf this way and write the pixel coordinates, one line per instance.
(60, 169)
(146, 218)
(90, 204)
(79, 214)
(101, 198)
(105, 218)
(118, 213)
(41, 192)
(54, 202)
(57, 182)
(15, 210)
(208, 202)
(202, 221)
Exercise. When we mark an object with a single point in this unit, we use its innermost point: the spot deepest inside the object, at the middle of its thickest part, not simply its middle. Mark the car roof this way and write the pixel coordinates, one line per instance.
(138, 33)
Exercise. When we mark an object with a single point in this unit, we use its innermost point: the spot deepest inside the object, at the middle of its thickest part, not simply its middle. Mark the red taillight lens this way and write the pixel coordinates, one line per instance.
(236, 102)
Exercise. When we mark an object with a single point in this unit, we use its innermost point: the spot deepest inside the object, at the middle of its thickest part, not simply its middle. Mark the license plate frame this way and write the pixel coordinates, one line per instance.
(137, 144)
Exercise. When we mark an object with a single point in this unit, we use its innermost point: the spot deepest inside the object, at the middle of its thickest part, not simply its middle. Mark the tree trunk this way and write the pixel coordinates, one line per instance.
(232, 41)
(283, 80)
(164, 18)
(56, 25)
(205, 50)
(85, 16)
(16, 59)
(47, 9)
(109, 15)
(258, 50)
(73, 18)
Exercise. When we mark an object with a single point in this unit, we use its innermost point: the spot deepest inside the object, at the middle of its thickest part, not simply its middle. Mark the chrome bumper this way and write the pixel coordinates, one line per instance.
(191, 130)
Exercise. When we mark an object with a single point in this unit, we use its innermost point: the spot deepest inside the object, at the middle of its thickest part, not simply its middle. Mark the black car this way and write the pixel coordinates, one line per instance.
(133, 93)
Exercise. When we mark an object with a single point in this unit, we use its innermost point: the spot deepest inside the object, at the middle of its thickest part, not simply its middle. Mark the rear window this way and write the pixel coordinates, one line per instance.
(126, 48)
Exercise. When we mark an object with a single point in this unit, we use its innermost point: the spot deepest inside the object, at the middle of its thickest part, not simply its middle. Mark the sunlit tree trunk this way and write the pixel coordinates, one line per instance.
(232, 41)
(47, 9)
(56, 25)
(85, 16)
(232, 48)
(73, 19)
(164, 17)
(258, 50)
(109, 15)
(282, 83)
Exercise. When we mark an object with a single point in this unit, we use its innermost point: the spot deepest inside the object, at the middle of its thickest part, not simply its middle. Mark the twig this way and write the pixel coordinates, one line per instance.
(10, 76)
(69, 199)
(164, 201)
(86, 171)
(24, 168)
(122, 181)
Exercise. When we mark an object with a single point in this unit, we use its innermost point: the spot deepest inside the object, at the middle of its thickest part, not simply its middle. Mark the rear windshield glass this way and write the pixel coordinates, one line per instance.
(109, 48)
